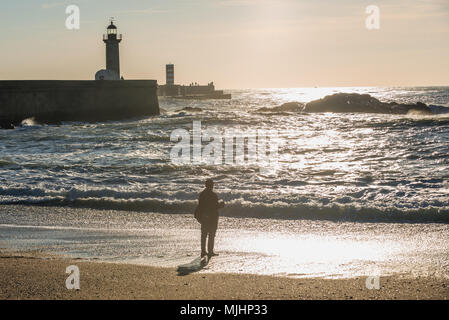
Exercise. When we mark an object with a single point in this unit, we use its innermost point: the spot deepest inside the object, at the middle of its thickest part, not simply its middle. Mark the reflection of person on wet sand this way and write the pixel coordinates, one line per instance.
(207, 214)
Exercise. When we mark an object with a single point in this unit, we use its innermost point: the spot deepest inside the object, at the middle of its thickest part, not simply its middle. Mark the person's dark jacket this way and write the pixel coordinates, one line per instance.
(208, 206)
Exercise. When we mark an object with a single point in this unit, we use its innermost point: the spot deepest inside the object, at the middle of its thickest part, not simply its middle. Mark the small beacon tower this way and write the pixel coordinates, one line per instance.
(112, 41)
(170, 74)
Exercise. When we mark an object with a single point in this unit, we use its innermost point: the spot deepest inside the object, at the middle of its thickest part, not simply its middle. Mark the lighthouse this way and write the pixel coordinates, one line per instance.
(112, 40)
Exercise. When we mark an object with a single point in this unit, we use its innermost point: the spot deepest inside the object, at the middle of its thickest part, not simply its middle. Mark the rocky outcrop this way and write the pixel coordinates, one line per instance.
(286, 107)
(363, 103)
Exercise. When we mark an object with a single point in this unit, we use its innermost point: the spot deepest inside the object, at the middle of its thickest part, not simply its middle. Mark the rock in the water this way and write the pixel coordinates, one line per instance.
(286, 107)
(362, 103)
(191, 109)
(418, 108)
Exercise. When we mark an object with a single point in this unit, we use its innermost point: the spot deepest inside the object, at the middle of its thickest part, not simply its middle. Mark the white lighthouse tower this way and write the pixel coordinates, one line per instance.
(112, 40)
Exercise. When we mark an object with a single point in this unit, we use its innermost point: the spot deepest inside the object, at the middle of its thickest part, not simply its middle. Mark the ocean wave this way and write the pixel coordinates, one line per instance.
(359, 166)
(244, 209)
(7, 162)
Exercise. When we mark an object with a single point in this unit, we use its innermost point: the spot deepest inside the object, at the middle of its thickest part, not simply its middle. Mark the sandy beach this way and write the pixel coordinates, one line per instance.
(29, 275)
(302, 145)
(131, 255)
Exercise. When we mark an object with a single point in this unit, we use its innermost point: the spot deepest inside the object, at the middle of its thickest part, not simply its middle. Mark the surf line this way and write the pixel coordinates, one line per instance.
(192, 310)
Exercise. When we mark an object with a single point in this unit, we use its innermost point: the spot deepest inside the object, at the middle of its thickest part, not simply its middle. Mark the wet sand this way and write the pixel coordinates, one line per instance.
(30, 275)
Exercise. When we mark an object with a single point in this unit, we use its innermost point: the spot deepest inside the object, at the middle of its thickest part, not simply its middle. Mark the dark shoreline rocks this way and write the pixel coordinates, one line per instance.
(363, 103)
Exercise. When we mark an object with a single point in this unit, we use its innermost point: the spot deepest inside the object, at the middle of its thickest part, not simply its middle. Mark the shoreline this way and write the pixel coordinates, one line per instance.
(283, 248)
(36, 275)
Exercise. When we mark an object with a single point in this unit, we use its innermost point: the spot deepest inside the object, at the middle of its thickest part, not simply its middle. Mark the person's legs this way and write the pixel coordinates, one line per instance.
(203, 239)
(212, 231)
(211, 241)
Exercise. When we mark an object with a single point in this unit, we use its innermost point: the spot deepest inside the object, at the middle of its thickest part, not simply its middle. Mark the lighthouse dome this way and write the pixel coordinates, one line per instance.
(107, 74)
(112, 29)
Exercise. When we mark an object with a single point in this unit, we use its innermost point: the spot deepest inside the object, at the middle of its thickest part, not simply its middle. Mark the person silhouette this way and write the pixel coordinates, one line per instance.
(207, 215)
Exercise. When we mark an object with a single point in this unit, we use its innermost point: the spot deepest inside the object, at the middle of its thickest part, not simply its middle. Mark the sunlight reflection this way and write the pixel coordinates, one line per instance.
(311, 254)
(315, 248)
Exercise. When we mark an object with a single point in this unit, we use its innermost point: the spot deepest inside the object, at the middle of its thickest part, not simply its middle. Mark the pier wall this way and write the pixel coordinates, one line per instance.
(54, 101)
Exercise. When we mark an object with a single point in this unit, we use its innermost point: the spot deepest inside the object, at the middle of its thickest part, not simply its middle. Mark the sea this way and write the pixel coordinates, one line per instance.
(348, 194)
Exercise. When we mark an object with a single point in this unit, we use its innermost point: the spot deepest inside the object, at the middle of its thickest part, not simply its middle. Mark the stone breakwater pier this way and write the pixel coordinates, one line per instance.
(90, 101)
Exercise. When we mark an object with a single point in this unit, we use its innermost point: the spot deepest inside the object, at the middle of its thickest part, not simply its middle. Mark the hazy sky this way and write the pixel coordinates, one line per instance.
(236, 43)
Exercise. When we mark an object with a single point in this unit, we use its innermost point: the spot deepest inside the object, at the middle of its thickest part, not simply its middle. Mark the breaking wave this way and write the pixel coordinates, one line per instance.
(185, 203)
